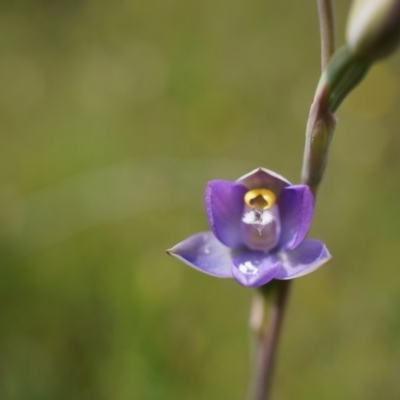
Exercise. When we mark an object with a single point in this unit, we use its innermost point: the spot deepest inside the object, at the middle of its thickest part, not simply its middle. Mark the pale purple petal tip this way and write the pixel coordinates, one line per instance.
(262, 178)
(304, 259)
(224, 208)
(205, 253)
(255, 268)
(296, 208)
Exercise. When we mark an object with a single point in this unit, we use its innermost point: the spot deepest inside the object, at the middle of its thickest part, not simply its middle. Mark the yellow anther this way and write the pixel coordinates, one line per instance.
(261, 199)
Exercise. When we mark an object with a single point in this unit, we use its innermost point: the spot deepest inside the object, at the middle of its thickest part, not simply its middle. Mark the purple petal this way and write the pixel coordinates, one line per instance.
(296, 208)
(304, 259)
(255, 268)
(262, 178)
(224, 207)
(204, 252)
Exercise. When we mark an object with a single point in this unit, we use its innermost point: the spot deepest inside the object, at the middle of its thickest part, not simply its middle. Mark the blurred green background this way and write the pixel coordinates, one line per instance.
(113, 116)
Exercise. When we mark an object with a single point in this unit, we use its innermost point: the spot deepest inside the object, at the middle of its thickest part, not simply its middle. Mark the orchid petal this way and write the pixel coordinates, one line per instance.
(262, 178)
(304, 259)
(255, 268)
(296, 208)
(224, 207)
(204, 252)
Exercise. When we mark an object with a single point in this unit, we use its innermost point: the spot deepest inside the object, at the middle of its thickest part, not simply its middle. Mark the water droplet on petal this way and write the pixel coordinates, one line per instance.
(248, 268)
(206, 250)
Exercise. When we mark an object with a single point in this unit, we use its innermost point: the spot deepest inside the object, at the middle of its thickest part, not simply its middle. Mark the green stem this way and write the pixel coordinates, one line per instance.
(327, 30)
(267, 339)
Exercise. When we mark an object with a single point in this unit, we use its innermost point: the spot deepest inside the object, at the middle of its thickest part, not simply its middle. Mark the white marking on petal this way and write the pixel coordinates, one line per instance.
(248, 268)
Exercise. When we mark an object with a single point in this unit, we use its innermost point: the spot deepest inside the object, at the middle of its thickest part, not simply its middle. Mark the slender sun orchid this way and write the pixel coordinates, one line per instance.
(258, 224)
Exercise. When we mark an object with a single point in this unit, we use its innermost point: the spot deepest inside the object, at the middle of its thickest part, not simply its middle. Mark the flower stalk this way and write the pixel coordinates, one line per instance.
(319, 131)
(267, 336)
(327, 30)
(320, 128)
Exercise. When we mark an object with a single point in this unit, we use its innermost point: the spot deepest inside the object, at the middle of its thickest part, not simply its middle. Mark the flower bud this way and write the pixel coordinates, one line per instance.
(373, 28)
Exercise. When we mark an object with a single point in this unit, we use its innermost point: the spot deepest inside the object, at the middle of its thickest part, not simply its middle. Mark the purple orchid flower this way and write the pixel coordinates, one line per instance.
(258, 224)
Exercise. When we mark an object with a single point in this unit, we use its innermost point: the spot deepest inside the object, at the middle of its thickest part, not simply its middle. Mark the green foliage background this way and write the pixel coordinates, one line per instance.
(113, 116)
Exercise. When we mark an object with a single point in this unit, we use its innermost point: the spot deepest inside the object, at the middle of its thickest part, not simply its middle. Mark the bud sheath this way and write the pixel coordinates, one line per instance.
(373, 28)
